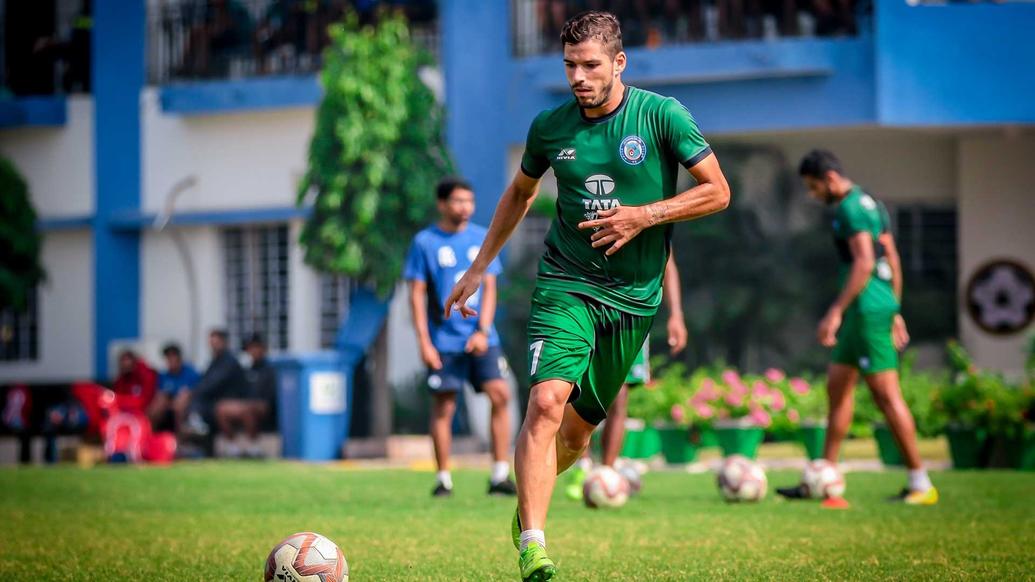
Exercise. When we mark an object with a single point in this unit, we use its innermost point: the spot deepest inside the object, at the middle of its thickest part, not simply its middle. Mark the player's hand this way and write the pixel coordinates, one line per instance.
(617, 227)
(677, 334)
(463, 290)
(477, 344)
(826, 333)
(429, 355)
(899, 333)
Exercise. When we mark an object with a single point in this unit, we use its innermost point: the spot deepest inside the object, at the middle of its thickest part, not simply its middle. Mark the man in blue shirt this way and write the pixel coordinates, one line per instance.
(458, 350)
(169, 407)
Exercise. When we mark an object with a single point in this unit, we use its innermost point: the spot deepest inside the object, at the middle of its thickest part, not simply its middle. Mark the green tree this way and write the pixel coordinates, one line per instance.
(376, 154)
(20, 269)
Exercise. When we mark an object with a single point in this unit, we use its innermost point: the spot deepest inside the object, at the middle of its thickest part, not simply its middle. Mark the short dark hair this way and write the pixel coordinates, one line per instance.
(594, 24)
(817, 163)
(172, 348)
(220, 333)
(446, 186)
(255, 339)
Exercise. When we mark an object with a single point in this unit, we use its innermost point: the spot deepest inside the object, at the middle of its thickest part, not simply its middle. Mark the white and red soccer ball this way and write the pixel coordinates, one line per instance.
(605, 487)
(741, 479)
(306, 557)
(822, 480)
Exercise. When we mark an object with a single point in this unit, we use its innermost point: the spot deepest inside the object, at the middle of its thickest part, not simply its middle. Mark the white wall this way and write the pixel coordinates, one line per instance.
(997, 220)
(165, 305)
(65, 313)
(304, 322)
(242, 160)
(57, 162)
(894, 165)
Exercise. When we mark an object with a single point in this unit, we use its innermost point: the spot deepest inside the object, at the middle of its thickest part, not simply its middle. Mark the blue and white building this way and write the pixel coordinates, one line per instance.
(167, 203)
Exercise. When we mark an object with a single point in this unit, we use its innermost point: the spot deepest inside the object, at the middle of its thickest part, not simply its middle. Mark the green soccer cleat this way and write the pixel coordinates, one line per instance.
(576, 479)
(535, 565)
(515, 529)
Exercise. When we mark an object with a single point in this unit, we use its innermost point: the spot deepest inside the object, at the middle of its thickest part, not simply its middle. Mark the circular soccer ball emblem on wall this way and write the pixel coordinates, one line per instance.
(1001, 297)
(633, 150)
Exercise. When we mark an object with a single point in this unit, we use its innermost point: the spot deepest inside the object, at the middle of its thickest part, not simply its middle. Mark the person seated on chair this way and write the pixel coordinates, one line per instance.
(168, 410)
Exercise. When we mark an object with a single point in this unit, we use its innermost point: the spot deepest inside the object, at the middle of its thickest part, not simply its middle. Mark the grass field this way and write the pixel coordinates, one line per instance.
(208, 521)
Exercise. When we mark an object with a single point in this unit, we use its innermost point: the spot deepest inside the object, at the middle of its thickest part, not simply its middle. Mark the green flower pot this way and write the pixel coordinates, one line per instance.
(965, 447)
(739, 438)
(707, 438)
(631, 445)
(650, 444)
(676, 445)
(887, 448)
(812, 437)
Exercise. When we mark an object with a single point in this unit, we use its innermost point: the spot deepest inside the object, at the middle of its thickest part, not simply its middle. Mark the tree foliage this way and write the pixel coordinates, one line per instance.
(376, 154)
(20, 243)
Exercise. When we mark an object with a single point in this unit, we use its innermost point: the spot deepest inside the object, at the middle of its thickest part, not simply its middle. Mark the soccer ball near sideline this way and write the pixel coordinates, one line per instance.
(604, 487)
(306, 557)
(741, 479)
(822, 480)
(632, 477)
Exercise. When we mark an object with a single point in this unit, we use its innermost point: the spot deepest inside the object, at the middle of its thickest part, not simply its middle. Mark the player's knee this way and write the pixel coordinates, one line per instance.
(499, 396)
(546, 405)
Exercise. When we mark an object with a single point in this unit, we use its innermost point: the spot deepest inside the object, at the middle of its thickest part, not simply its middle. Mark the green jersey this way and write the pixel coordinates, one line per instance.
(629, 157)
(859, 212)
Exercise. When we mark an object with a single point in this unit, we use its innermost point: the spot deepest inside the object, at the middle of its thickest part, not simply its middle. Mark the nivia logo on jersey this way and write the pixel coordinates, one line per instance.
(566, 154)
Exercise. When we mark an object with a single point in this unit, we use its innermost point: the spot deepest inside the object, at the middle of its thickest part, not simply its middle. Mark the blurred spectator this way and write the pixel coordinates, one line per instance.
(223, 380)
(85, 412)
(135, 385)
(250, 410)
(169, 407)
(16, 418)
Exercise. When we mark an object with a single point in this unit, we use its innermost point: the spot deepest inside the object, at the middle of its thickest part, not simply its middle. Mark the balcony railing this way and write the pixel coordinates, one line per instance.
(229, 39)
(652, 23)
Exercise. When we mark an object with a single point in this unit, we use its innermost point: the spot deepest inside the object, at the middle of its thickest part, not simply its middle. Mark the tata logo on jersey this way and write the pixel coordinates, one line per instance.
(600, 185)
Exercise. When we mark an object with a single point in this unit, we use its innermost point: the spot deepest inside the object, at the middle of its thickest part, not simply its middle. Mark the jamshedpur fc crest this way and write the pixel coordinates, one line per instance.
(633, 150)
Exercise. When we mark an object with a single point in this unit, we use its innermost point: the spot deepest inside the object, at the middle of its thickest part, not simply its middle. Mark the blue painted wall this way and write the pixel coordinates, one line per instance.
(118, 77)
(955, 64)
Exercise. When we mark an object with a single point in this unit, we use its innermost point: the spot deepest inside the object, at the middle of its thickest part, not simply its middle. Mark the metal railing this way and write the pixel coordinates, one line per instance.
(537, 23)
(227, 39)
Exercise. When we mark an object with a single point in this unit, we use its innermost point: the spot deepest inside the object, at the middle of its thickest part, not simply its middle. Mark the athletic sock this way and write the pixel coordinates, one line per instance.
(445, 479)
(500, 472)
(533, 535)
(918, 480)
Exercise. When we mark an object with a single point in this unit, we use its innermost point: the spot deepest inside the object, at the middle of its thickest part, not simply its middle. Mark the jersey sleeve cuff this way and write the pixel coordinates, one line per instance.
(696, 158)
(531, 174)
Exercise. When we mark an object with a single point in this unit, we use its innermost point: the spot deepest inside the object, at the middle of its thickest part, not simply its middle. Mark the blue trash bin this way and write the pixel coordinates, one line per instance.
(314, 398)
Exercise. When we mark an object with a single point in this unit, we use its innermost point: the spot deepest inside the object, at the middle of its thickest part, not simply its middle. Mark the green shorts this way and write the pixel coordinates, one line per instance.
(639, 373)
(864, 342)
(578, 340)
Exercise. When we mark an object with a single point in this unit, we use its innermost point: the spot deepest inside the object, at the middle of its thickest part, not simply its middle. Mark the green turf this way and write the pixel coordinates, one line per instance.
(209, 521)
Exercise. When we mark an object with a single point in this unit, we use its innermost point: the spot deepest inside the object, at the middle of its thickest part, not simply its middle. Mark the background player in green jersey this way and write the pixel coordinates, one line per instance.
(864, 326)
(613, 433)
(616, 152)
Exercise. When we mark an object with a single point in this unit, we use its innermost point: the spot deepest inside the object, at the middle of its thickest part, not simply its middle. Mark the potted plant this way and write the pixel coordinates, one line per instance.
(742, 408)
(808, 407)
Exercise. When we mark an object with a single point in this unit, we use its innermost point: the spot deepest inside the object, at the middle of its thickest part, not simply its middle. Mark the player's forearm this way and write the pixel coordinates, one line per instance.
(701, 200)
(510, 211)
(419, 308)
(858, 277)
(488, 311)
(672, 290)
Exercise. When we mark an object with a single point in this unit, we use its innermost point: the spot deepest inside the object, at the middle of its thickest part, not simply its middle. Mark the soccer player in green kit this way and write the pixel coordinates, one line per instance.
(863, 326)
(616, 152)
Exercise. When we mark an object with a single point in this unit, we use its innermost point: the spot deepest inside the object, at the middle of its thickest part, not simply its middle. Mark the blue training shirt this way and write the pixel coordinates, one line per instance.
(172, 384)
(440, 258)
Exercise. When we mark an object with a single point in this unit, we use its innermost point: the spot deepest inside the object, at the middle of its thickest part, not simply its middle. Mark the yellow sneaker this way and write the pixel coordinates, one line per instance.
(929, 497)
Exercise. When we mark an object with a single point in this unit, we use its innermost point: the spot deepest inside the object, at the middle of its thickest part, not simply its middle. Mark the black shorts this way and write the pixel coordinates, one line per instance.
(460, 367)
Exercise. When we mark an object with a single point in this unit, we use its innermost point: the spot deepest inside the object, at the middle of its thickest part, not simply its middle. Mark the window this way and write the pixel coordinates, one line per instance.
(926, 239)
(257, 283)
(19, 332)
(334, 305)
